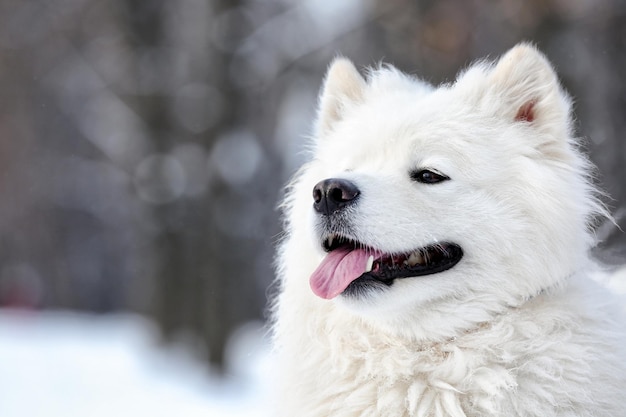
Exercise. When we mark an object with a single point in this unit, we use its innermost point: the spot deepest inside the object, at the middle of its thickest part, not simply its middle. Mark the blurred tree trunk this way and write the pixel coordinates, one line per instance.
(193, 275)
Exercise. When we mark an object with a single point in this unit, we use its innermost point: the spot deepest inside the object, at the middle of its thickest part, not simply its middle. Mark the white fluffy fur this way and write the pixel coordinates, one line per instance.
(516, 328)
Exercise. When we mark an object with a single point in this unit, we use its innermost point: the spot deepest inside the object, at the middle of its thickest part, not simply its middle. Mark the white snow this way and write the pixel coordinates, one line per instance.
(69, 364)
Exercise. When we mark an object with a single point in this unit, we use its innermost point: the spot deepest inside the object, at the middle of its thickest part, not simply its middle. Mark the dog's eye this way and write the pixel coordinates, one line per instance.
(426, 176)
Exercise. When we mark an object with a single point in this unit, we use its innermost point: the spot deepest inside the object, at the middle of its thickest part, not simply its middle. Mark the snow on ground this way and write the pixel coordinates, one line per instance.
(78, 365)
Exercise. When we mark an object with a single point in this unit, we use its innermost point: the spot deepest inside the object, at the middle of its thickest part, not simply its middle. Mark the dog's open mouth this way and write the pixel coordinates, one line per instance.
(350, 267)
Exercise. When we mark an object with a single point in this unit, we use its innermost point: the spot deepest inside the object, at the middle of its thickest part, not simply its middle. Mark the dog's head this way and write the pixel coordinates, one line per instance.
(419, 197)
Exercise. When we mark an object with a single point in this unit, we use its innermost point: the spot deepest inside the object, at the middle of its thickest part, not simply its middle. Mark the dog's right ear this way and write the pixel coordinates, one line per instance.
(343, 85)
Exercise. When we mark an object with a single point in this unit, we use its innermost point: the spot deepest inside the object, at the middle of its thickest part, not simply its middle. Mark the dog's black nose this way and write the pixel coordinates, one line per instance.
(333, 194)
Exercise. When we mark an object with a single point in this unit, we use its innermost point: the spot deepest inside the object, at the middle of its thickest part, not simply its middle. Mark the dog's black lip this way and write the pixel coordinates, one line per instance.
(385, 275)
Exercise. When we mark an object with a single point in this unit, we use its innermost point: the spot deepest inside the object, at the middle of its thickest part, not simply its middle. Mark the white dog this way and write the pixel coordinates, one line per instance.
(435, 260)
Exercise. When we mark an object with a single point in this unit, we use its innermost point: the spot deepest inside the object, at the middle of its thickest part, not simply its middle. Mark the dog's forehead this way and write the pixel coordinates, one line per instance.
(400, 128)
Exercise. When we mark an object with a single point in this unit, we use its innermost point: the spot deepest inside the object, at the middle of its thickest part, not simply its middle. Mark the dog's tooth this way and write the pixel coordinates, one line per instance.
(369, 264)
(420, 258)
(330, 240)
(415, 259)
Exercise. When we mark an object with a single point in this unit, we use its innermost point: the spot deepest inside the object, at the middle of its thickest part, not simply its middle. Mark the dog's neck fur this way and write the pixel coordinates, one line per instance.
(344, 366)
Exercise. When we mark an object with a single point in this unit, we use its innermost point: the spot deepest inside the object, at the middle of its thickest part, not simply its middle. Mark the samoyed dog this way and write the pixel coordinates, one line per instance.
(435, 261)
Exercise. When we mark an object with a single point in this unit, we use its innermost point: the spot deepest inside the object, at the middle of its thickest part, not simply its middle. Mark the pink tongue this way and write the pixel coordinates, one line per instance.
(337, 270)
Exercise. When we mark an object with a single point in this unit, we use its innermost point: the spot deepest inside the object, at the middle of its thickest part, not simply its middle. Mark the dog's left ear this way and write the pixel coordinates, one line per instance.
(343, 85)
(527, 90)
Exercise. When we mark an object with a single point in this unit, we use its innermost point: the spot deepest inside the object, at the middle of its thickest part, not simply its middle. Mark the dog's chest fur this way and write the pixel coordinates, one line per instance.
(529, 361)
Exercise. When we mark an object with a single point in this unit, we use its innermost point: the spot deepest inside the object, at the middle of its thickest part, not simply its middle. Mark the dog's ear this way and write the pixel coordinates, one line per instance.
(527, 90)
(343, 85)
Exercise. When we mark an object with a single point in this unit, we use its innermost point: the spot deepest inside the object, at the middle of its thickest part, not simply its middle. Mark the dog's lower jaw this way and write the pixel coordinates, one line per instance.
(429, 323)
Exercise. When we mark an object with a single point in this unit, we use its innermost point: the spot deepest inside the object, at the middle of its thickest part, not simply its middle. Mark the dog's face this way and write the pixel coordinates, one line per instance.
(418, 195)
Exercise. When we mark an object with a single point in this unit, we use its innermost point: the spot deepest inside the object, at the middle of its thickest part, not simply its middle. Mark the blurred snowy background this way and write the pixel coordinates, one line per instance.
(143, 146)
